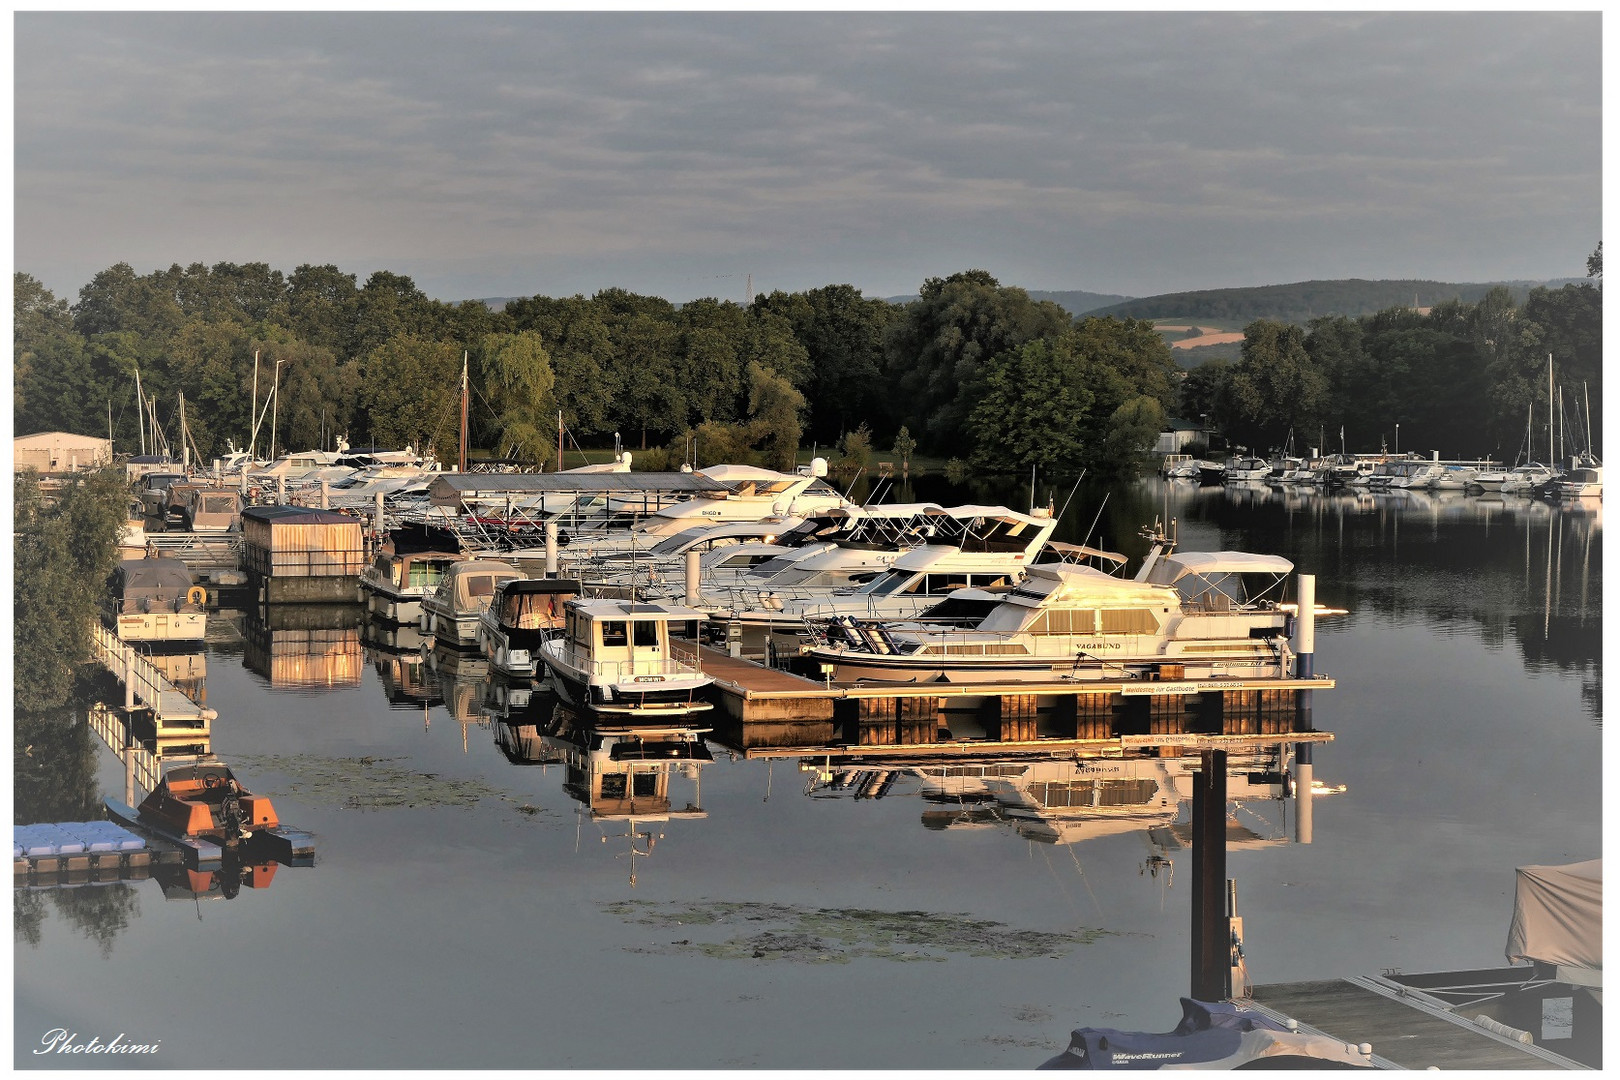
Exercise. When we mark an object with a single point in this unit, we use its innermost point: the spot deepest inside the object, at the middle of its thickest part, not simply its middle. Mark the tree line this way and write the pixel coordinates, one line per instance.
(1464, 379)
(971, 369)
(380, 363)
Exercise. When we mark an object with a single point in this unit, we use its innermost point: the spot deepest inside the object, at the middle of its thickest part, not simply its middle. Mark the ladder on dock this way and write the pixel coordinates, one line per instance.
(174, 715)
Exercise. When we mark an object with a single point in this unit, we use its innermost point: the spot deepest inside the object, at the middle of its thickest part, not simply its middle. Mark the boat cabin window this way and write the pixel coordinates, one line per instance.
(614, 634)
(531, 611)
(480, 585)
(1128, 621)
(219, 504)
(1213, 592)
(685, 628)
(425, 572)
(646, 634)
(892, 582)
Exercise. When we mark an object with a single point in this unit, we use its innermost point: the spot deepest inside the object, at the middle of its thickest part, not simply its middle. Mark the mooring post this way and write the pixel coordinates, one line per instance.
(326, 494)
(281, 489)
(1211, 955)
(377, 517)
(128, 656)
(1305, 643)
(551, 549)
(693, 577)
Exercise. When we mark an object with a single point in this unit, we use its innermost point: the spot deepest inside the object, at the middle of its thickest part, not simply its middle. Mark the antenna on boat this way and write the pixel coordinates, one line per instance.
(1072, 490)
(1094, 520)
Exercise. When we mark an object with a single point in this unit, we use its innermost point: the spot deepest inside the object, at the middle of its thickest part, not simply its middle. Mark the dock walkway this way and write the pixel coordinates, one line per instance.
(1404, 1032)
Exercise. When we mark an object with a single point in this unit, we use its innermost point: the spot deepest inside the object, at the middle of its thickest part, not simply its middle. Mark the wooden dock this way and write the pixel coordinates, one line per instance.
(770, 707)
(1405, 1031)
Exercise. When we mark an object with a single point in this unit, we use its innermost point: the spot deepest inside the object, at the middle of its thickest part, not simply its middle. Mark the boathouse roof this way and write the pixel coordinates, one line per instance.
(297, 515)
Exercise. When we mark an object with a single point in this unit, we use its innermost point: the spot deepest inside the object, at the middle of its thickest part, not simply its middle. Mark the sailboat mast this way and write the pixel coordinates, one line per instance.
(140, 411)
(1552, 454)
(253, 413)
(1587, 394)
(559, 440)
(461, 459)
(185, 437)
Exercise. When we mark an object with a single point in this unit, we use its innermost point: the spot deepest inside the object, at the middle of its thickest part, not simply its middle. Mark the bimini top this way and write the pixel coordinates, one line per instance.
(1172, 568)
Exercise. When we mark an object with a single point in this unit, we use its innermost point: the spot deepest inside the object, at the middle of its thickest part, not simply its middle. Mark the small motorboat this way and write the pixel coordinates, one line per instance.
(202, 800)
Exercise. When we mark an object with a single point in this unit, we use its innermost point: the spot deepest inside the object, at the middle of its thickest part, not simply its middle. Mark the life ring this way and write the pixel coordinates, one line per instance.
(197, 595)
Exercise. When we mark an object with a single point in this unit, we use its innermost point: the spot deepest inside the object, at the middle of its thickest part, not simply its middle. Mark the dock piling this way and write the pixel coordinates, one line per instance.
(1211, 955)
(551, 549)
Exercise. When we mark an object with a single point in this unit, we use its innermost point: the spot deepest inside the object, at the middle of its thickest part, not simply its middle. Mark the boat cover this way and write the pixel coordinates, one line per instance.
(1211, 1035)
(1558, 915)
(1210, 563)
(157, 574)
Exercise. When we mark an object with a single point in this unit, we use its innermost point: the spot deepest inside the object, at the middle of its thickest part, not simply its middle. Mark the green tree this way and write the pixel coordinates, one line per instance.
(1274, 388)
(774, 407)
(515, 374)
(1032, 411)
(63, 551)
(410, 393)
(936, 351)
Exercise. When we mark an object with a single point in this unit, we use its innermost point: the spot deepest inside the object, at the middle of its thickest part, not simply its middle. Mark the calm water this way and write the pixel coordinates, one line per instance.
(466, 912)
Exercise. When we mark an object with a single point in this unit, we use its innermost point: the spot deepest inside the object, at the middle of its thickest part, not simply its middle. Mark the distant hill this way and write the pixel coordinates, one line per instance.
(1306, 300)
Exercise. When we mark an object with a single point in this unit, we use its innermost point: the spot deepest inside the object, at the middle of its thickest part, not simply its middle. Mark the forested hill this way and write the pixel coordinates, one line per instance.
(1306, 300)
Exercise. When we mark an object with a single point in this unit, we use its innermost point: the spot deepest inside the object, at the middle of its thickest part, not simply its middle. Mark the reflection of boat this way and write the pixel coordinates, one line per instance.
(153, 601)
(522, 613)
(223, 882)
(1197, 615)
(628, 659)
(450, 612)
(203, 800)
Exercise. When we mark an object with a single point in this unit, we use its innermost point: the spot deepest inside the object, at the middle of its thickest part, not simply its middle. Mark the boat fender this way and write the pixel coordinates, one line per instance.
(197, 595)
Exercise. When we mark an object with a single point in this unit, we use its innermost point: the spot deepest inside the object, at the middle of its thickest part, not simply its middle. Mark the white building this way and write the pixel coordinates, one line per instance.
(59, 451)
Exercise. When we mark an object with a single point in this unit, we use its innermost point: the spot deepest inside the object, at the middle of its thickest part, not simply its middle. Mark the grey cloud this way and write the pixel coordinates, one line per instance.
(1194, 150)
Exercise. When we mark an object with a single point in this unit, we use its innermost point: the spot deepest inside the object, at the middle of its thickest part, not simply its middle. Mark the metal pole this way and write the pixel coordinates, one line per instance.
(326, 494)
(551, 549)
(377, 515)
(1211, 956)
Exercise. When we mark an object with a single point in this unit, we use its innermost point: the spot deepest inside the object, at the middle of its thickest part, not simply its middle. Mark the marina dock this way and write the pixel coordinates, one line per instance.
(767, 706)
(1405, 1030)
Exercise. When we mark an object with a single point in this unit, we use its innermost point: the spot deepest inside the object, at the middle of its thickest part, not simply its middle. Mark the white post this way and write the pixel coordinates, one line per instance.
(129, 678)
(1305, 629)
(693, 586)
(551, 549)
(281, 490)
(326, 494)
(377, 515)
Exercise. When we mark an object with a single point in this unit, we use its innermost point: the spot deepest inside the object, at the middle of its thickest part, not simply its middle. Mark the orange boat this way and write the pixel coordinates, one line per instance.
(203, 799)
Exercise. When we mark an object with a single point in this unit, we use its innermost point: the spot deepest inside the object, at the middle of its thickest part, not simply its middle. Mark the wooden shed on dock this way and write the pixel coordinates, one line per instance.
(297, 554)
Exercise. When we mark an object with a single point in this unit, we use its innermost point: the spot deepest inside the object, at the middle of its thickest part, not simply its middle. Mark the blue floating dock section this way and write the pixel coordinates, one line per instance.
(81, 852)
(199, 854)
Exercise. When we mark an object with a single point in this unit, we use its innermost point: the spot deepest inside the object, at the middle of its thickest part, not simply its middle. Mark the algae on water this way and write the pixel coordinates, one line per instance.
(838, 935)
(369, 783)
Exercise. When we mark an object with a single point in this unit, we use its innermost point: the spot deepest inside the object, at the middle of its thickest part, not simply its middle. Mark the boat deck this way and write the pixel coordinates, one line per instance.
(1404, 1033)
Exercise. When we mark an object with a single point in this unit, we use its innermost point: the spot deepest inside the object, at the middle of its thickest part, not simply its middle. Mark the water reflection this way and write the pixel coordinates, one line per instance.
(622, 777)
(305, 647)
(1067, 801)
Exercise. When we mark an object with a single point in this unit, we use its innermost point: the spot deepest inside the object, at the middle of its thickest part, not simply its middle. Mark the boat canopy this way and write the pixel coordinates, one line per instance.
(1214, 579)
(160, 574)
(473, 581)
(1558, 915)
(711, 534)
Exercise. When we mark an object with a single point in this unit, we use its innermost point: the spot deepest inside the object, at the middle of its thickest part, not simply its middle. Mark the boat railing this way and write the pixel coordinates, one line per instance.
(681, 658)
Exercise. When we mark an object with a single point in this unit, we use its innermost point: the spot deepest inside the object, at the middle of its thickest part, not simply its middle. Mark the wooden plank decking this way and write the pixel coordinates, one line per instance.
(1400, 1032)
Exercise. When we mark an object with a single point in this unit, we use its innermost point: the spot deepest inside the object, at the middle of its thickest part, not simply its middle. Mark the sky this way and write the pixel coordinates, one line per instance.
(703, 154)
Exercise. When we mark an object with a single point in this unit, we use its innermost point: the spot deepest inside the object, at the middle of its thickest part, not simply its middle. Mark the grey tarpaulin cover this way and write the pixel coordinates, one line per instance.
(1558, 915)
(1211, 1035)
